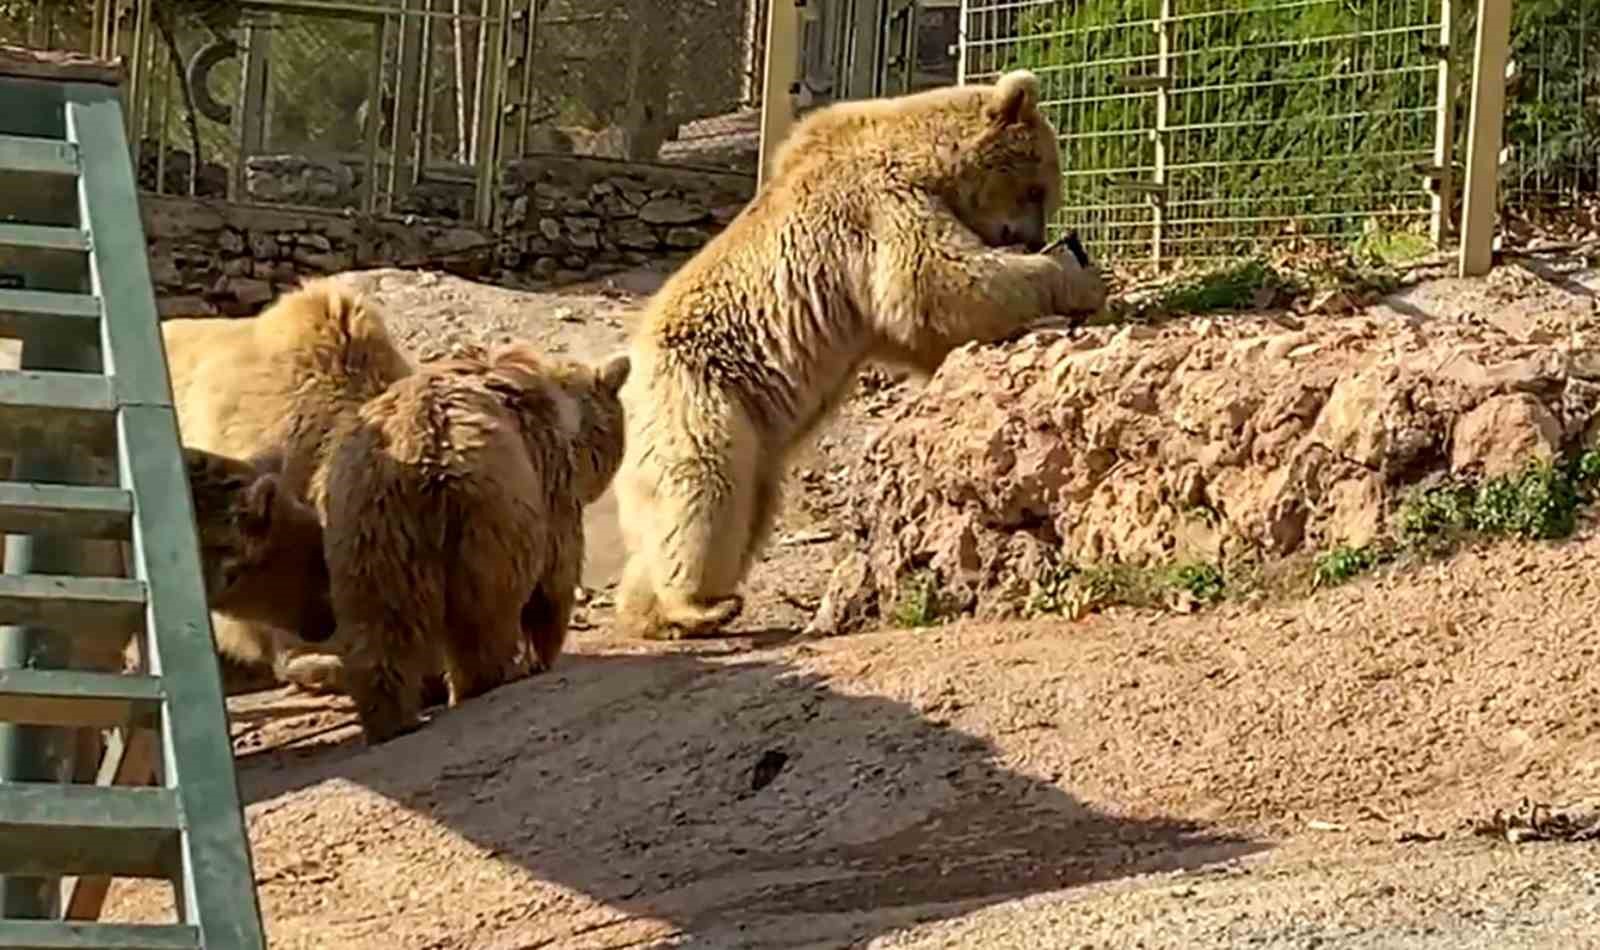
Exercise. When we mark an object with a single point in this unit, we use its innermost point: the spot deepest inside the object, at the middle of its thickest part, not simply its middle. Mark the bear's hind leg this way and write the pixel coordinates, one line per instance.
(651, 612)
(768, 502)
(386, 686)
(482, 648)
(683, 579)
(486, 664)
(547, 615)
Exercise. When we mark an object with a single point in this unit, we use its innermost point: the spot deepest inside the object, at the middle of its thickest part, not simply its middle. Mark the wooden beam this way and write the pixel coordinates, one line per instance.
(1490, 53)
(782, 66)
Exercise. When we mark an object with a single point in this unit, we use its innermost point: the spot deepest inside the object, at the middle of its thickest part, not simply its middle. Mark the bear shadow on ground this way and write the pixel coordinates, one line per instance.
(722, 796)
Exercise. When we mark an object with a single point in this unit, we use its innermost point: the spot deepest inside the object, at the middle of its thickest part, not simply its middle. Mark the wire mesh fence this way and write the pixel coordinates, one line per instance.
(1553, 120)
(1190, 128)
(413, 106)
(646, 80)
(1203, 128)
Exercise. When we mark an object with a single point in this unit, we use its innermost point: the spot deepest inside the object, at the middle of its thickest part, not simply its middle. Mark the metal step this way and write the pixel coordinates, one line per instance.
(75, 215)
(79, 698)
(20, 153)
(72, 406)
(48, 828)
(24, 313)
(84, 512)
(43, 237)
(80, 606)
(59, 935)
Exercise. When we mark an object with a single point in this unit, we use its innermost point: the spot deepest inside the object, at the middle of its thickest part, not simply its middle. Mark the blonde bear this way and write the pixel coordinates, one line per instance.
(280, 386)
(892, 230)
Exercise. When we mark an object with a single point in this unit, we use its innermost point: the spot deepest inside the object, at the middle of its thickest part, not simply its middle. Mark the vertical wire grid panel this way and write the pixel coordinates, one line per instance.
(1285, 120)
(1553, 114)
(1082, 54)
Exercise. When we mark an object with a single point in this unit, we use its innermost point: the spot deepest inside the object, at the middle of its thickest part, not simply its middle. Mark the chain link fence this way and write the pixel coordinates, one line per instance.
(414, 106)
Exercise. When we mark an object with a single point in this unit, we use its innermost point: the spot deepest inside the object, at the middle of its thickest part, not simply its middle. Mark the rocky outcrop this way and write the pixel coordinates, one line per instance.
(1202, 440)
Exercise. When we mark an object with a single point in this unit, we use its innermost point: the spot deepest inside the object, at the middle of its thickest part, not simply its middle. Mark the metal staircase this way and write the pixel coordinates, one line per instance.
(89, 424)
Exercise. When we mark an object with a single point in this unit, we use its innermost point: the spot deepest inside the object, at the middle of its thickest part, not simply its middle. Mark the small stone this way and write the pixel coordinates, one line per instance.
(314, 241)
(546, 267)
(454, 240)
(164, 271)
(518, 212)
(550, 228)
(186, 306)
(687, 237)
(636, 235)
(249, 291)
(321, 263)
(548, 197)
(263, 247)
(613, 206)
(231, 242)
(671, 211)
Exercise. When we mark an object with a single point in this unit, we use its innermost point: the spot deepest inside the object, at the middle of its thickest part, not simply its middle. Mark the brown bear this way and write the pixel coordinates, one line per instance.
(261, 561)
(261, 551)
(454, 514)
(891, 230)
(280, 385)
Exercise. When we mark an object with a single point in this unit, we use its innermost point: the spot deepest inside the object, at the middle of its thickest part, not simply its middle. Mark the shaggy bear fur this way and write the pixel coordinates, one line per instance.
(455, 524)
(280, 385)
(892, 230)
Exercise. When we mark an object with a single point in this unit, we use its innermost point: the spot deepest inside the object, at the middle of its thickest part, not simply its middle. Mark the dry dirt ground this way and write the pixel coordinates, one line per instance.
(1290, 775)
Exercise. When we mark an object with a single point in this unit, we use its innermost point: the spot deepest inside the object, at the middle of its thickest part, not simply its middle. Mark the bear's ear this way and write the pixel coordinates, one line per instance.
(259, 500)
(1015, 97)
(615, 371)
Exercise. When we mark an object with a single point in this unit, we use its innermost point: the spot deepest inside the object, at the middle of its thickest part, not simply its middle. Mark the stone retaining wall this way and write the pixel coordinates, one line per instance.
(564, 218)
(578, 213)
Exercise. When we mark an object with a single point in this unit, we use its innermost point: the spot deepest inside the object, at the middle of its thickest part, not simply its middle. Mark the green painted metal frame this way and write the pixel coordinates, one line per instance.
(54, 365)
(212, 870)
